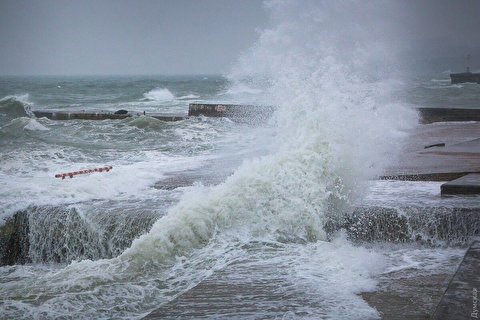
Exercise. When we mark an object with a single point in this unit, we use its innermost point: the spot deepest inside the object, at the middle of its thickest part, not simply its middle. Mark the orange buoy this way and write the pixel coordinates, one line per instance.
(71, 174)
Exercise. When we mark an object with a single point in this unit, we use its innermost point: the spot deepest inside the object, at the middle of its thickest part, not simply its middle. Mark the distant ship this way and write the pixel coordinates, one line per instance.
(466, 76)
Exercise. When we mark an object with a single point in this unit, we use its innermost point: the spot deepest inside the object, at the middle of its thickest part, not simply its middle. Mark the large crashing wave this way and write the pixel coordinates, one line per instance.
(336, 125)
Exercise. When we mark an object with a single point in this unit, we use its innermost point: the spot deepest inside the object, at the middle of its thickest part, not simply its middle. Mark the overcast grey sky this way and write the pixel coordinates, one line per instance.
(125, 36)
(185, 36)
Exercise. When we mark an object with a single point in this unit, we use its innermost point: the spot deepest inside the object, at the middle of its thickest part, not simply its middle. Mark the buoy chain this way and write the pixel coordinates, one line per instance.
(74, 173)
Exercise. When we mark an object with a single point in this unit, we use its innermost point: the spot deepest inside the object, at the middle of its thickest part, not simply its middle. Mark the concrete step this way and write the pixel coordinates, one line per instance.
(459, 156)
(263, 289)
(468, 184)
(243, 290)
(460, 301)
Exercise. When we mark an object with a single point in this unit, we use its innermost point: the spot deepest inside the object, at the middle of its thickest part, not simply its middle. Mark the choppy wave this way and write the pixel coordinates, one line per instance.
(159, 94)
(143, 122)
(14, 107)
(17, 126)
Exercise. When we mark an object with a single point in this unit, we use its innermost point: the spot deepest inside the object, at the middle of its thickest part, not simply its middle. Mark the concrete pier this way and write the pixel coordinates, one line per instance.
(468, 184)
(465, 77)
(460, 301)
(81, 115)
(242, 113)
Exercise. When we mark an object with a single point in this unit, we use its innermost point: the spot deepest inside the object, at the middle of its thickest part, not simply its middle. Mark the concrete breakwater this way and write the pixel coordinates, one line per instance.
(239, 112)
(101, 115)
(430, 115)
(465, 77)
(235, 112)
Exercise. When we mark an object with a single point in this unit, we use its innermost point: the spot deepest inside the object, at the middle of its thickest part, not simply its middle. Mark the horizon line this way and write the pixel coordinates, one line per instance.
(111, 75)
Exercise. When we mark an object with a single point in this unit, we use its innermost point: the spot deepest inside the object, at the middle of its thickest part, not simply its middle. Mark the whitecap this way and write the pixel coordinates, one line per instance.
(159, 94)
(34, 125)
(188, 97)
(23, 98)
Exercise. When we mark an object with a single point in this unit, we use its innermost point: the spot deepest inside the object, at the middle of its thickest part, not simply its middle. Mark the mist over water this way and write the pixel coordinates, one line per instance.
(326, 66)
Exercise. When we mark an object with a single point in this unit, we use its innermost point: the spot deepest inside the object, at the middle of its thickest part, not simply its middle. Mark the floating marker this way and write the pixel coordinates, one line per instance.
(74, 173)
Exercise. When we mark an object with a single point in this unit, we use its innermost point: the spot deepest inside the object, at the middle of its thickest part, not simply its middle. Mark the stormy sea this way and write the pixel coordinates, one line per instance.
(190, 199)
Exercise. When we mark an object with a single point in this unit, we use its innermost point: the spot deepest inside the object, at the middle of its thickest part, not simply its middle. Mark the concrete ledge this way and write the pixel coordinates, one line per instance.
(430, 115)
(439, 176)
(460, 300)
(468, 184)
(425, 225)
(63, 227)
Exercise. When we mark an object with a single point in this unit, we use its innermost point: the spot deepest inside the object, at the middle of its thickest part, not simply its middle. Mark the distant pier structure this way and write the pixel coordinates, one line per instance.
(466, 76)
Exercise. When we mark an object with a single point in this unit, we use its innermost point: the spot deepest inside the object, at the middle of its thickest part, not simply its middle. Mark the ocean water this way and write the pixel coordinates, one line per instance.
(111, 245)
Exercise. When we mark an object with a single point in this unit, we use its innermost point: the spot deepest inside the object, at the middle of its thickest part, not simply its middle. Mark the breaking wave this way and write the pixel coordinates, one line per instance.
(189, 97)
(17, 125)
(14, 107)
(159, 94)
(336, 125)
